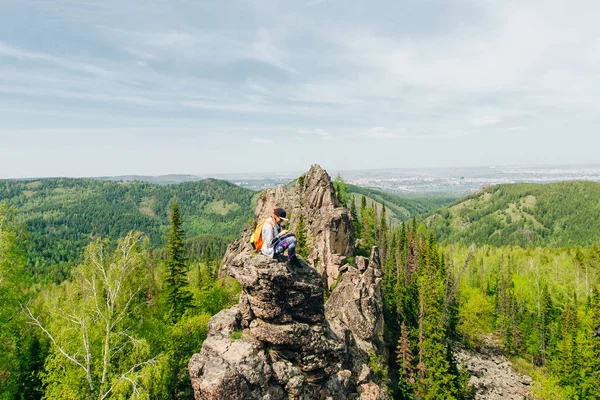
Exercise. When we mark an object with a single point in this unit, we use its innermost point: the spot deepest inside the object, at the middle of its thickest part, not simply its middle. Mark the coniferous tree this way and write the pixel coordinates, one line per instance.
(355, 219)
(569, 362)
(405, 363)
(368, 223)
(341, 190)
(437, 380)
(178, 297)
(383, 235)
(301, 246)
(208, 264)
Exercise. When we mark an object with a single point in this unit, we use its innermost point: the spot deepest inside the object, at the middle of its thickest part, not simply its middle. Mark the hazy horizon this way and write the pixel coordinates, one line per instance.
(332, 172)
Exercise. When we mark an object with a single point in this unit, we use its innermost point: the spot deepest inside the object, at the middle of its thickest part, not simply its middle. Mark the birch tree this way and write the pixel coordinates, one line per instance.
(91, 323)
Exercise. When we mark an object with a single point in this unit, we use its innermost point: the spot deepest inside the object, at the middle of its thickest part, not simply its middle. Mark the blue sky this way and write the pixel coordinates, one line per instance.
(104, 87)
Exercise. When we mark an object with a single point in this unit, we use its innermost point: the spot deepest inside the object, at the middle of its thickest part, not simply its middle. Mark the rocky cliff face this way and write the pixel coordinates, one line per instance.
(281, 341)
(327, 223)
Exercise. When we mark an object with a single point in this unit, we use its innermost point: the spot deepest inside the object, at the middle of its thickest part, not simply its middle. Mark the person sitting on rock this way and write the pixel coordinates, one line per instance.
(275, 239)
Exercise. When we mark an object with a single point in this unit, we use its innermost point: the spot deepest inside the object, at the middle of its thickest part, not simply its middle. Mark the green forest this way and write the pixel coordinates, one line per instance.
(63, 215)
(107, 288)
(122, 326)
(398, 208)
(526, 214)
(542, 303)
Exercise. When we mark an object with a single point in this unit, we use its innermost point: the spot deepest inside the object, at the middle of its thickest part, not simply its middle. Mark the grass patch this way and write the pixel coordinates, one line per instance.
(236, 334)
(147, 206)
(221, 207)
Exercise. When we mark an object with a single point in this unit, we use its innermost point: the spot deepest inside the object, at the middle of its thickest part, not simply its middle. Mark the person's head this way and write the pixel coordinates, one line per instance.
(279, 215)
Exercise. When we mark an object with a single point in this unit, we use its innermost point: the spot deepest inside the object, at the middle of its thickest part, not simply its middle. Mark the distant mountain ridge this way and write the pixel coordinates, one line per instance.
(553, 214)
(160, 179)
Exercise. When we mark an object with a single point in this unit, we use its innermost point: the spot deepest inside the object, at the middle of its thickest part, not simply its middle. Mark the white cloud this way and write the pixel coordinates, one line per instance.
(262, 140)
(382, 132)
(7, 50)
(265, 49)
(258, 88)
(323, 134)
(484, 121)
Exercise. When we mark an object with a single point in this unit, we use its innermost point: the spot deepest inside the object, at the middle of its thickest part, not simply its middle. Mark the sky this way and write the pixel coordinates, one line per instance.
(106, 87)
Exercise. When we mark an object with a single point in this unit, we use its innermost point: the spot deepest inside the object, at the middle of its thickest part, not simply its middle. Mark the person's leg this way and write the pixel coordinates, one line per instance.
(288, 242)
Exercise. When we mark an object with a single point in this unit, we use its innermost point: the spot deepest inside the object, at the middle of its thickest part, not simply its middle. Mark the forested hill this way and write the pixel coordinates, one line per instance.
(554, 214)
(398, 208)
(62, 214)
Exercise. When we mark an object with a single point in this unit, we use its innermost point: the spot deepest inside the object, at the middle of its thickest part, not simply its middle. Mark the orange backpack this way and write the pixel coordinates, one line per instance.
(256, 239)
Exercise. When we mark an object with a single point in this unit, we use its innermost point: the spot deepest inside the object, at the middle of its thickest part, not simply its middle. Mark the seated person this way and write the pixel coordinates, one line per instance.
(275, 239)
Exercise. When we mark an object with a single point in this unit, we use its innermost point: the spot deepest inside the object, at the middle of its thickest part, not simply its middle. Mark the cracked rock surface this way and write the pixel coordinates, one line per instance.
(492, 374)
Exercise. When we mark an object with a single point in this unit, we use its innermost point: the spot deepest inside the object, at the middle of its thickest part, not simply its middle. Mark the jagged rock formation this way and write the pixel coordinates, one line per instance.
(356, 304)
(281, 341)
(492, 375)
(327, 223)
(277, 342)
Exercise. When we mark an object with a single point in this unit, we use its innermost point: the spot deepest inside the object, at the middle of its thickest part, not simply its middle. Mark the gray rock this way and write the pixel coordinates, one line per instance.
(328, 225)
(361, 263)
(492, 375)
(356, 303)
(365, 374)
(289, 349)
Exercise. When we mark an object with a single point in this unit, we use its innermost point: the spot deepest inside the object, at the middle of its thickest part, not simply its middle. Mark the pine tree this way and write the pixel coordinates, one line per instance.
(436, 378)
(568, 357)
(179, 298)
(405, 356)
(341, 190)
(383, 235)
(368, 223)
(355, 219)
(301, 246)
(212, 274)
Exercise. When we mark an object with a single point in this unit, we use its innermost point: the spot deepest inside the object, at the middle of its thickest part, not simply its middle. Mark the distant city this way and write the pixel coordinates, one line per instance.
(433, 181)
(409, 182)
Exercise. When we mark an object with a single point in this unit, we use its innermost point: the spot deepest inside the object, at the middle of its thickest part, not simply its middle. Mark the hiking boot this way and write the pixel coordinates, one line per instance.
(295, 261)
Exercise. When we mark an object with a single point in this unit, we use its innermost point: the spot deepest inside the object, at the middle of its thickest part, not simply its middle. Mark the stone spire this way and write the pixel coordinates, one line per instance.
(281, 341)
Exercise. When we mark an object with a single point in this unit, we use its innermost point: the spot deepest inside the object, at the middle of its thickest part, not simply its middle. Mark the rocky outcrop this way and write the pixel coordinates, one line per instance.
(277, 342)
(327, 224)
(281, 341)
(356, 305)
(492, 375)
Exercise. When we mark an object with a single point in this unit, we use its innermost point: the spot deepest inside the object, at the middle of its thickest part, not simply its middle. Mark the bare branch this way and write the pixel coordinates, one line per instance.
(36, 322)
(125, 377)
